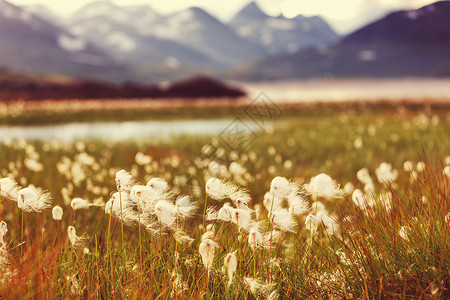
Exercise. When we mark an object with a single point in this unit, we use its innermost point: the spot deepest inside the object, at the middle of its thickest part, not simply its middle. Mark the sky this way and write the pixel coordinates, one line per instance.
(332, 10)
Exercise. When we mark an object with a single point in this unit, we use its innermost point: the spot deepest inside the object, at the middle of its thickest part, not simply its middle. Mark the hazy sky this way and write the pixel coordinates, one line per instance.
(224, 9)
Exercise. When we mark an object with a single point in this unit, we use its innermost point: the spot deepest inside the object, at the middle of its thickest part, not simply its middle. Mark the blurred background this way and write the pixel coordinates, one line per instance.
(131, 49)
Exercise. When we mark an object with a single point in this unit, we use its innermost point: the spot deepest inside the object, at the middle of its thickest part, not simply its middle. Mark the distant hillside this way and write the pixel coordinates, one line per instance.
(281, 35)
(26, 88)
(30, 43)
(404, 43)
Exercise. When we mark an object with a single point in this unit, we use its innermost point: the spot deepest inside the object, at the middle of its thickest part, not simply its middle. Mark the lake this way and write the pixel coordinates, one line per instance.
(118, 131)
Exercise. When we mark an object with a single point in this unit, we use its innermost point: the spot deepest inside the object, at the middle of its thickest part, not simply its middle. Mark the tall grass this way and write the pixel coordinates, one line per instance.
(400, 250)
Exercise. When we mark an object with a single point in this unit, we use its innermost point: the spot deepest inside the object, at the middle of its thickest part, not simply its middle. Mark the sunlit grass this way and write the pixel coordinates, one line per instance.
(400, 250)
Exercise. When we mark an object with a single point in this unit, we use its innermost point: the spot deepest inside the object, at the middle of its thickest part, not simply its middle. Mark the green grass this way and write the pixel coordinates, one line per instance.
(367, 259)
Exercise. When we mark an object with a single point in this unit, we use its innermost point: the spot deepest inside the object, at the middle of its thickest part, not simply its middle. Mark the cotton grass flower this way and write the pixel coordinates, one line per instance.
(312, 222)
(359, 199)
(219, 190)
(297, 204)
(446, 171)
(186, 208)
(280, 187)
(142, 159)
(282, 220)
(258, 287)
(166, 213)
(3, 231)
(57, 213)
(127, 214)
(9, 189)
(76, 241)
(408, 166)
(404, 233)
(207, 250)
(348, 188)
(421, 166)
(31, 200)
(322, 185)
(255, 238)
(225, 213)
(79, 203)
(146, 197)
(230, 263)
(159, 185)
(331, 226)
(385, 174)
(364, 176)
(242, 218)
(124, 181)
(269, 198)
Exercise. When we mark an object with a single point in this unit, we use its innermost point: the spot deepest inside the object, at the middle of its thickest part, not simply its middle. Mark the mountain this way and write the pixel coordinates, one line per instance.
(404, 43)
(43, 12)
(191, 39)
(279, 35)
(30, 43)
(196, 28)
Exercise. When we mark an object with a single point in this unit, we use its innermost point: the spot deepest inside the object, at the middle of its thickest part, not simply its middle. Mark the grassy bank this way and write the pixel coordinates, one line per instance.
(391, 242)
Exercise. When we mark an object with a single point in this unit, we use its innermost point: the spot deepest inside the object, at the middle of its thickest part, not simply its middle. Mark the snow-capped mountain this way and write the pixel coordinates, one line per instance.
(43, 12)
(403, 43)
(191, 37)
(29, 42)
(278, 35)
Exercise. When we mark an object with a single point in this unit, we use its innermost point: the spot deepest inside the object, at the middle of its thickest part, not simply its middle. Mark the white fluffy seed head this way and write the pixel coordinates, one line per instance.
(282, 220)
(207, 251)
(255, 238)
(408, 166)
(115, 200)
(323, 185)
(258, 288)
(158, 184)
(30, 200)
(225, 213)
(215, 189)
(186, 208)
(124, 181)
(280, 187)
(404, 232)
(79, 203)
(3, 231)
(166, 213)
(331, 226)
(230, 263)
(57, 213)
(75, 241)
(359, 199)
(364, 176)
(297, 204)
(9, 188)
(446, 171)
(421, 166)
(242, 218)
(312, 222)
(269, 198)
(385, 174)
(348, 188)
(236, 169)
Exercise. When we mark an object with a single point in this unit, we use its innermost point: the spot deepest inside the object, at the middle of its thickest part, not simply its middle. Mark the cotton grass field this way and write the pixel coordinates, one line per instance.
(327, 202)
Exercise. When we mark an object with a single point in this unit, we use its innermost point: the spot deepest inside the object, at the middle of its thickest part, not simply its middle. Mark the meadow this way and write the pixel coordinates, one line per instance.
(323, 201)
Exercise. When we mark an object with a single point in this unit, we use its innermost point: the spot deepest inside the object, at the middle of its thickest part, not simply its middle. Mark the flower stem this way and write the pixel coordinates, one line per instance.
(204, 209)
(121, 229)
(270, 250)
(140, 239)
